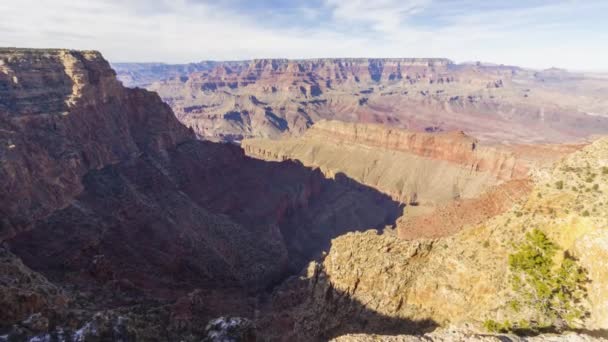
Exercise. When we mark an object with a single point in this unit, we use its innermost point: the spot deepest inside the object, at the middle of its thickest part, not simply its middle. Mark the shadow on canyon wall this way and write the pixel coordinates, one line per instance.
(313, 309)
(112, 199)
(205, 217)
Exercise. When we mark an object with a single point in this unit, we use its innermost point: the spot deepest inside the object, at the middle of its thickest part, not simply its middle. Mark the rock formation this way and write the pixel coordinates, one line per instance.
(144, 74)
(116, 223)
(108, 198)
(459, 279)
(436, 168)
(272, 98)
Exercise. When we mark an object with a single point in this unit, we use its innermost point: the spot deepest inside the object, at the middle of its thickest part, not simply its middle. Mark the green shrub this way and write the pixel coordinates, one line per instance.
(585, 213)
(605, 170)
(556, 292)
(559, 185)
(496, 327)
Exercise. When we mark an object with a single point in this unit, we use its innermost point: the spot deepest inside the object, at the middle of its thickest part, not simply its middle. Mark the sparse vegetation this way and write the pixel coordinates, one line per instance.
(559, 185)
(554, 293)
(496, 327)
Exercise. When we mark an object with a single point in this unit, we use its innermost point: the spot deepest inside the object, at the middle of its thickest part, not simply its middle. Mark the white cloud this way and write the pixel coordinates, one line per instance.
(185, 30)
(385, 16)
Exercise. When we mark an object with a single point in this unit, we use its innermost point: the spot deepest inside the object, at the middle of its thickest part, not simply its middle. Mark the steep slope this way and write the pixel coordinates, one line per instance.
(271, 98)
(62, 114)
(108, 198)
(464, 278)
(424, 169)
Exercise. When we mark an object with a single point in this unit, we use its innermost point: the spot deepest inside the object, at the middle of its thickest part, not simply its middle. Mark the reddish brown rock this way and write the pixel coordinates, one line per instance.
(454, 216)
(104, 192)
(272, 98)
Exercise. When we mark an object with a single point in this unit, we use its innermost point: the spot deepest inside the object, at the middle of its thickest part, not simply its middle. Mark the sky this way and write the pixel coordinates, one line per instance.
(530, 33)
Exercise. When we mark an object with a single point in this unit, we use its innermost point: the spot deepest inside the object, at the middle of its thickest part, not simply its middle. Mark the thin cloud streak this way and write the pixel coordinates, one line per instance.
(543, 34)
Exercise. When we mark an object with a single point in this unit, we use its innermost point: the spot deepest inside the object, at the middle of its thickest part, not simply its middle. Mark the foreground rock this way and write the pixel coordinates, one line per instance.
(392, 286)
(463, 336)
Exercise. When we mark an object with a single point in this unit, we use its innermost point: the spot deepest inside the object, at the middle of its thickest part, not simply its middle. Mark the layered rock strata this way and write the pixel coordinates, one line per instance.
(462, 279)
(114, 206)
(272, 98)
(423, 169)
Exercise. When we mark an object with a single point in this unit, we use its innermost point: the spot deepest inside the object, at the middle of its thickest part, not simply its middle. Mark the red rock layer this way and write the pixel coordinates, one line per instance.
(455, 147)
(271, 98)
(451, 218)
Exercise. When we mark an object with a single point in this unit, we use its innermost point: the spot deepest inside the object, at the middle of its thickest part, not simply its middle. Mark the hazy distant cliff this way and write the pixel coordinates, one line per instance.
(275, 97)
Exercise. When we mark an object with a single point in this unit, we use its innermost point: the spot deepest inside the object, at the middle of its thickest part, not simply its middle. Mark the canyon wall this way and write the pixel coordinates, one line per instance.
(460, 280)
(426, 169)
(276, 97)
(63, 113)
(109, 203)
(118, 224)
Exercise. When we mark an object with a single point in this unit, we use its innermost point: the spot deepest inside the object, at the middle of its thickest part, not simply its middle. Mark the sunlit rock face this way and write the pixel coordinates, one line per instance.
(272, 98)
(461, 278)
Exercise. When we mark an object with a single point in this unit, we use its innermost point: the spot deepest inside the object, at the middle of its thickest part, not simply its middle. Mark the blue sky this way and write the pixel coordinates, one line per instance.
(533, 33)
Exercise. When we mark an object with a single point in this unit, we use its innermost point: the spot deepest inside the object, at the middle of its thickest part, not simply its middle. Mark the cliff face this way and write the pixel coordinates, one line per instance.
(459, 279)
(62, 114)
(453, 147)
(425, 169)
(106, 196)
(271, 98)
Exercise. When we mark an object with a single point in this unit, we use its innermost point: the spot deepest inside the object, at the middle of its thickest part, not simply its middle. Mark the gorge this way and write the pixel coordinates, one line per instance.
(118, 222)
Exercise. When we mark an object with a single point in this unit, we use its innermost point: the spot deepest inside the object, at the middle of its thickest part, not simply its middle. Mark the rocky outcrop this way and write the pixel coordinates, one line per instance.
(62, 114)
(463, 278)
(272, 98)
(107, 196)
(23, 291)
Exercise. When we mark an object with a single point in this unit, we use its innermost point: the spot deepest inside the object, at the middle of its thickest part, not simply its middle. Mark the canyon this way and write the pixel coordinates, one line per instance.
(105, 192)
(120, 220)
(270, 98)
